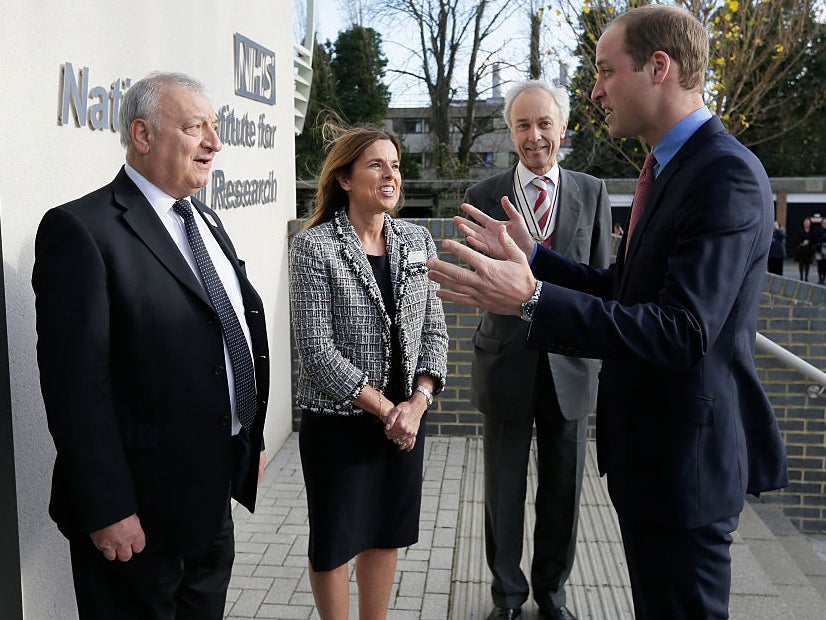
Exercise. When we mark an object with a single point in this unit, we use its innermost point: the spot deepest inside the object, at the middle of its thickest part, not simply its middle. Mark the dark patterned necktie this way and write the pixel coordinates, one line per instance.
(644, 184)
(239, 352)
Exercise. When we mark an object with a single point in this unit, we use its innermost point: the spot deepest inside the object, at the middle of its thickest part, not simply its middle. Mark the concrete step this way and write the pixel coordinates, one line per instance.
(775, 571)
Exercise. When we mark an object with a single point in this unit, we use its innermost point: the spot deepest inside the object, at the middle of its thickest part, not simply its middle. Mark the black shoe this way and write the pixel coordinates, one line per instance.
(505, 613)
(561, 613)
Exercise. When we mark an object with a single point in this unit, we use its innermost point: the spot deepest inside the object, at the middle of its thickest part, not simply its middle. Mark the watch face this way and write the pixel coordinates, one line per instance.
(528, 308)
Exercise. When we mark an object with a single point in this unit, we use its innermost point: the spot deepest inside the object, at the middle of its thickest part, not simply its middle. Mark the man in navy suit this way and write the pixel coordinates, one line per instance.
(684, 429)
(136, 377)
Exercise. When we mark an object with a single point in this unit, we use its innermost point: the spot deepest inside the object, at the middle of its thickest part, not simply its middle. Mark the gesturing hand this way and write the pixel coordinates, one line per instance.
(483, 234)
(500, 286)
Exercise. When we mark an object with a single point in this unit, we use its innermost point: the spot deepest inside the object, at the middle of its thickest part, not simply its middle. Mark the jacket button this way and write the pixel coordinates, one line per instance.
(218, 370)
(223, 421)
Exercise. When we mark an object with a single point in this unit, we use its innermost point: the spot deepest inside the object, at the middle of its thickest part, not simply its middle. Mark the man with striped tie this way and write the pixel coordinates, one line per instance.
(517, 388)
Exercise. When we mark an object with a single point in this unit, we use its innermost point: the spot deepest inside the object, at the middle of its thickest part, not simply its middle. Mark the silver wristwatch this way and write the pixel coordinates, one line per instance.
(529, 306)
(427, 394)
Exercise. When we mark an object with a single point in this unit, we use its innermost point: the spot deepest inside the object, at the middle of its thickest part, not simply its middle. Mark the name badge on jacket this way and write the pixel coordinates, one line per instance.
(417, 256)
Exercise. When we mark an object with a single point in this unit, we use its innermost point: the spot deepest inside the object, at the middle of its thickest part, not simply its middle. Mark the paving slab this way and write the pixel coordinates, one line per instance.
(776, 572)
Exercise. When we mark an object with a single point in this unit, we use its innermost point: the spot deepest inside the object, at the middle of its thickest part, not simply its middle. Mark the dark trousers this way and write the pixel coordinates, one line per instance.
(679, 574)
(154, 585)
(560, 461)
(775, 265)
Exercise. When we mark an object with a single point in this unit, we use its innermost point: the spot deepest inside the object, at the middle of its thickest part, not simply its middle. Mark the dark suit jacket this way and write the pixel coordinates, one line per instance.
(502, 360)
(132, 372)
(684, 428)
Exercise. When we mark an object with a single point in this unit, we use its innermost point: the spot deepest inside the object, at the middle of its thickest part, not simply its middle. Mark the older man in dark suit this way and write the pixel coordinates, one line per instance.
(152, 350)
(517, 388)
(684, 429)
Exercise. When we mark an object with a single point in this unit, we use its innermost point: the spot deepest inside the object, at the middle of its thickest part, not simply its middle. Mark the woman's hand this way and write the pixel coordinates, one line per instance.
(402, 423)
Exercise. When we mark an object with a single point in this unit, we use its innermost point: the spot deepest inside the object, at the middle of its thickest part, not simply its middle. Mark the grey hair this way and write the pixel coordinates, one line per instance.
(559, 94)
(143, 98)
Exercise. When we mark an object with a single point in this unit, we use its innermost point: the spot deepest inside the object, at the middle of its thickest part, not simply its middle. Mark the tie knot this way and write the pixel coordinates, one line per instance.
(183, 208)
(541, 183)
(650, 162)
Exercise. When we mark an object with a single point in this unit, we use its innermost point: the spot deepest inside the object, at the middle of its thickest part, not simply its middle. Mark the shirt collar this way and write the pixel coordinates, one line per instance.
(525, 176)
(159, 199)
(677, 136)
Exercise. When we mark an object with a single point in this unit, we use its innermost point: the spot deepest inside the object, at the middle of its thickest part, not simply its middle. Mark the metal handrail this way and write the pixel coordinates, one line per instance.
(790, 359)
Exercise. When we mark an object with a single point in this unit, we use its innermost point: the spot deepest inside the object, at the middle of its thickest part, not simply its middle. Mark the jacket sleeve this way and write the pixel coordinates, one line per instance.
(719, 220)
(433, 356)
(73, 351)
(311, 307)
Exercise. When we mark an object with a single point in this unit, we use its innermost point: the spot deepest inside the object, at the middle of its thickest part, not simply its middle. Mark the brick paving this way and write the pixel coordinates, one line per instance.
(775, 572)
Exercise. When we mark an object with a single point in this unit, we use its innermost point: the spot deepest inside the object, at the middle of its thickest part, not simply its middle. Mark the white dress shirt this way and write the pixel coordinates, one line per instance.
(527, 193)
(162, 204)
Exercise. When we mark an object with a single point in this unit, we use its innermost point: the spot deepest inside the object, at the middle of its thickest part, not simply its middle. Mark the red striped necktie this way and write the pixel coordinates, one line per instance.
(543, 209)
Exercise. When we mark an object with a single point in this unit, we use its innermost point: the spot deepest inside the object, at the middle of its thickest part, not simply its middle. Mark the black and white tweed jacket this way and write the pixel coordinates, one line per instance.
(342, 330)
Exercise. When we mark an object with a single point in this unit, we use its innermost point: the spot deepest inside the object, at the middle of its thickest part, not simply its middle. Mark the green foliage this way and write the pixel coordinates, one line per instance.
(346, 90)
(409, 168)
(801, 151)
(766, 81)
(358, 67)
(593, 150)
(323, 105)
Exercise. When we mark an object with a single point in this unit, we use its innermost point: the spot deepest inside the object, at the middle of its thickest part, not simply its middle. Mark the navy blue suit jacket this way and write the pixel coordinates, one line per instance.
(684, 428)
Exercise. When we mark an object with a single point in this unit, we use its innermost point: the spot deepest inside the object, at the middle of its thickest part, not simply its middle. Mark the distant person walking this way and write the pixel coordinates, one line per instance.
(820, 251)
(777, 250)
(806, 249)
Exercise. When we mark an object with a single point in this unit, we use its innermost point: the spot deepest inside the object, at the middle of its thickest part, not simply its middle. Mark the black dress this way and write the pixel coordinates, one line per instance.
(362, 491)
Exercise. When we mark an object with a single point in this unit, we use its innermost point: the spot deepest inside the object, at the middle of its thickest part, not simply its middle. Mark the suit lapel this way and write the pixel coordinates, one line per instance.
(220, 236)
(568, 206)
(698, 138)
(141, 218)
(397, 251)
(503, 187)
(251, 299)
(356, 258)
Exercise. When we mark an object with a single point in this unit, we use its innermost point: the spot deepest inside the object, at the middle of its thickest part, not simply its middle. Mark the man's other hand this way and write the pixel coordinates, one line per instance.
(121, 539)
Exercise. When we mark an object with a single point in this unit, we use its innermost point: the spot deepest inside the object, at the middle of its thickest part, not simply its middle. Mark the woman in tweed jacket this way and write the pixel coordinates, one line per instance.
(372, 341)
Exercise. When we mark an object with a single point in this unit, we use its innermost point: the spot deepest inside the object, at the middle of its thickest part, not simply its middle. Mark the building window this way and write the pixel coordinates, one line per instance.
(481, 160)
(411, 125)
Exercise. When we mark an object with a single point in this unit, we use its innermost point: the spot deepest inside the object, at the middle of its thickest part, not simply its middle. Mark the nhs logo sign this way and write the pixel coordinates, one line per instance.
(254, 70)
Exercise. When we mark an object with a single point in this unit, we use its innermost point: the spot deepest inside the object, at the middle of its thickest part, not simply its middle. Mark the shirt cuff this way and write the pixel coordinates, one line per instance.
(533, 254)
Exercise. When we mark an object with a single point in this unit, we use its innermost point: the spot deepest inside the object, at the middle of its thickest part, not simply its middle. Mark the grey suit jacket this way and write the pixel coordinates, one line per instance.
(341, 327)
(503, 367)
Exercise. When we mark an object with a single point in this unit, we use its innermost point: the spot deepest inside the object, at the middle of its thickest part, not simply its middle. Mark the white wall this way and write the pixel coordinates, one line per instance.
(44, 163)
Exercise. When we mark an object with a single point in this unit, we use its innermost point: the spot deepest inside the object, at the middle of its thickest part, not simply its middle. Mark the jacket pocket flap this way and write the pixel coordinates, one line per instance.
(486, 343)
(695, 409)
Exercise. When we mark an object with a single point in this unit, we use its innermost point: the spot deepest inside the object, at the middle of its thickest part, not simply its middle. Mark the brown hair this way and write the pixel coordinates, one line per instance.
(668, 29)
(347, 147)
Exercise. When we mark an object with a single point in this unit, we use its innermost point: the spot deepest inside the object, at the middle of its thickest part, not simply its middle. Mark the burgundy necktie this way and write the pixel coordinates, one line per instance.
(644, 184)
(543, 209)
